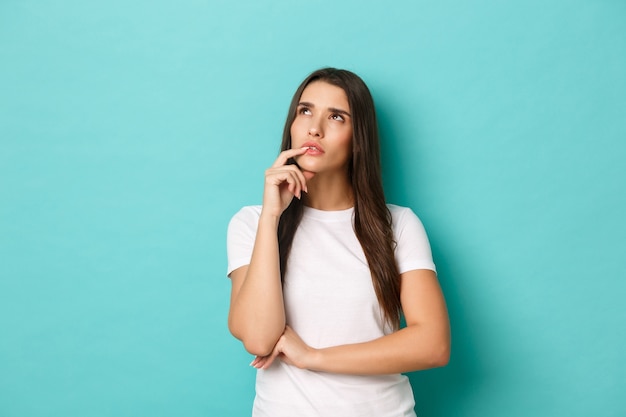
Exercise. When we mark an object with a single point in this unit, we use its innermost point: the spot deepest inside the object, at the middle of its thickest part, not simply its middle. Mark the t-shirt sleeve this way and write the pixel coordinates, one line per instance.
(413, 248)
(240, 237)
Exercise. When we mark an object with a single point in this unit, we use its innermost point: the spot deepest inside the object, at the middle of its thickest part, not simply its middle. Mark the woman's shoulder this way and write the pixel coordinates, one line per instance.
(399, 211)
(254, 210)
(402, 215)
(247, 214)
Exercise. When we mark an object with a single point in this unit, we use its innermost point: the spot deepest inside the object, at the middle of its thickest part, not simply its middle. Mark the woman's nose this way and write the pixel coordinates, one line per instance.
(315, 129)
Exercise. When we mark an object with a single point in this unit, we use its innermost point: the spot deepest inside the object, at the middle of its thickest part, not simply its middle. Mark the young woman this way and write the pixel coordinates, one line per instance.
(322, 271)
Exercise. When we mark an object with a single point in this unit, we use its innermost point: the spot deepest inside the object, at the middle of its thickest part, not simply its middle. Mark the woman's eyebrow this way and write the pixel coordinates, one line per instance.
(330, 109)
(334, 110)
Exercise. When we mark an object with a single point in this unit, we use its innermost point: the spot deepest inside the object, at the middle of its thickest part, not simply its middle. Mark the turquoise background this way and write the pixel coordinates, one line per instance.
(130, 132)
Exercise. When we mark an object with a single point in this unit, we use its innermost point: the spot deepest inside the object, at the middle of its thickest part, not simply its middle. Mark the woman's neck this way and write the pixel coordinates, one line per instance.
(328, 193)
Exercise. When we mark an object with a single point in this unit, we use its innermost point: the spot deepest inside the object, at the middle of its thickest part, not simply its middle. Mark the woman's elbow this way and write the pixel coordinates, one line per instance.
(441, 358)
(440, 355)
(258, 346)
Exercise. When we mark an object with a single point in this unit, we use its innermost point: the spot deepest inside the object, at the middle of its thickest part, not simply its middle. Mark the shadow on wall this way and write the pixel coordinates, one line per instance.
(442, 391)
(446, 390)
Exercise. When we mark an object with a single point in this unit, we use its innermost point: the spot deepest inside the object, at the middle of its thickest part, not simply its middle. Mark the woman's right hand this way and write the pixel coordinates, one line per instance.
(283, 182)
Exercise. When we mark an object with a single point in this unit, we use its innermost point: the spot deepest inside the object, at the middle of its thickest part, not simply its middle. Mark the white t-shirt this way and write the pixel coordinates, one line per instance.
(330, 300)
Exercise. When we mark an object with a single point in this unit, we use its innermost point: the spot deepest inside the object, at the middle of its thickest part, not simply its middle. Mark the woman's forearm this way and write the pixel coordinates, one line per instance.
(410, 349)
(413, 348)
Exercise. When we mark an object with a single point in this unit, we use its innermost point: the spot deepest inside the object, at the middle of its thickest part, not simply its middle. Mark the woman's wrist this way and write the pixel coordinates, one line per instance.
(315, 359)
(269, 219)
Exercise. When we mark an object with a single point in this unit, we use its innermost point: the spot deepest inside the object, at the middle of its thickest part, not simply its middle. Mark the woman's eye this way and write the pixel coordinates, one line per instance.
(337, 117)
(304, 110)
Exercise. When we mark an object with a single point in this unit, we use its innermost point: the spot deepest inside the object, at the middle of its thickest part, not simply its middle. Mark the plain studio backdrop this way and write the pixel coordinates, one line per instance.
(131, 131)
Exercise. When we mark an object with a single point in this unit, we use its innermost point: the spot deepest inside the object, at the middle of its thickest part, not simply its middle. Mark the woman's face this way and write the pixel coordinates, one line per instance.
(324, 124)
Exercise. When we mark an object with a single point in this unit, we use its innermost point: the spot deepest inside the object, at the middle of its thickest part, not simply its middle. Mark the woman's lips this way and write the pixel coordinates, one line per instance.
(314, 148)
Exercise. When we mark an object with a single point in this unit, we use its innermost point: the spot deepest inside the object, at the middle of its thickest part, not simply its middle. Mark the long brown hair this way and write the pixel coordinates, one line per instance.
(372, 219)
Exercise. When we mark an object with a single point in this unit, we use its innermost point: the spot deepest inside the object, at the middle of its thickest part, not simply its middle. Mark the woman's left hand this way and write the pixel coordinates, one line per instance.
(290, 349)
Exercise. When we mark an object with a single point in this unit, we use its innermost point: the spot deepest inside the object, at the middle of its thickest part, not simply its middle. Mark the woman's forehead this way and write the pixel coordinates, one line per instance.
(323, 94)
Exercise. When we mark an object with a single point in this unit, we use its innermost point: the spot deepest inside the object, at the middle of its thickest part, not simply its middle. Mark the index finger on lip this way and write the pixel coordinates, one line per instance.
(285, 155)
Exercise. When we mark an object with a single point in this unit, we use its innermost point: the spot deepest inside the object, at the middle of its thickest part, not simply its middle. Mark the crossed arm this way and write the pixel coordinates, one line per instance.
(424, 343)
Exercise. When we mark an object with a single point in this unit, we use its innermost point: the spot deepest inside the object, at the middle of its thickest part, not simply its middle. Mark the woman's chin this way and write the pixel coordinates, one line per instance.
(305, 165)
